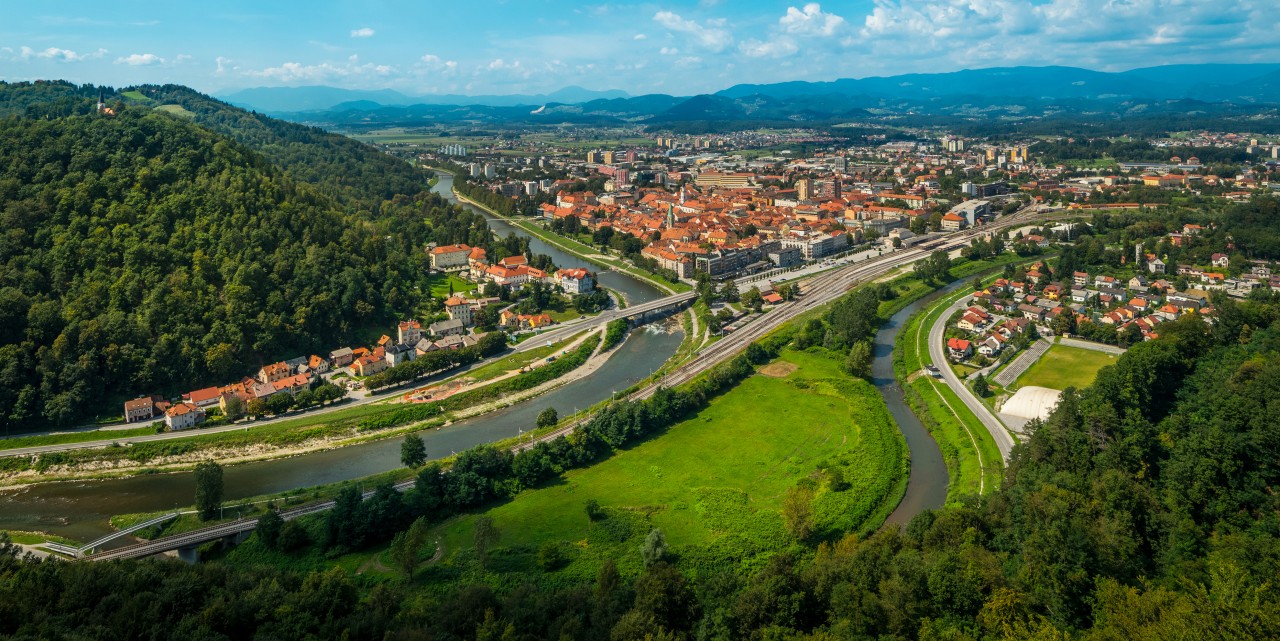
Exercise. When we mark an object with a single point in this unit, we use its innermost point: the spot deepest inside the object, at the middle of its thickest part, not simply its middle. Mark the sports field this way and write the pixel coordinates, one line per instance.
(714, 483)
(1062, 367)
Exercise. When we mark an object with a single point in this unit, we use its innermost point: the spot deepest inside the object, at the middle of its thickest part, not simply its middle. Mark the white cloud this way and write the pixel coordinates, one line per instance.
(362, 32)
(141, 59)
(810, 21)
(61, 55)
(668, 51)
(498, 64)
(1098, 34)
(435, 63)
(639, 36)
(711, 35)
(325, 71)
(775, 48)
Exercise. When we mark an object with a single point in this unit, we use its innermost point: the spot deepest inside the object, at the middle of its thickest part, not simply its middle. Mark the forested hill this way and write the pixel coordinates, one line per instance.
(336, 164)
(1144, 508)
(142, 252)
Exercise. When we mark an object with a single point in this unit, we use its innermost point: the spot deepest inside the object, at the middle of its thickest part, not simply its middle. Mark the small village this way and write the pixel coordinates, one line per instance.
(1103, 307)
(310, 381)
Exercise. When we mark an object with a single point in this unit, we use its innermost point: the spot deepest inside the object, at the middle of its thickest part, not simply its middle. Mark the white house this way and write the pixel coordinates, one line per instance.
(575, 281)
(450, 257)
(183, 416)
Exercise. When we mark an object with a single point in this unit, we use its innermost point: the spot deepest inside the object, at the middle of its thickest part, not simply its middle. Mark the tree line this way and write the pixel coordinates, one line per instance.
(146, 253)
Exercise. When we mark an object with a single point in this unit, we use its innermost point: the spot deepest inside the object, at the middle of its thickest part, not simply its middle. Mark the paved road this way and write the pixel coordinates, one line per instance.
(818, 291)
(938, 352)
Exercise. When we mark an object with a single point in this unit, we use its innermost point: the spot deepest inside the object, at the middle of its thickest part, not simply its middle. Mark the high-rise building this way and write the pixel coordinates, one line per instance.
(831, 187)
(595, 156)
(804, 189)
(608, 158)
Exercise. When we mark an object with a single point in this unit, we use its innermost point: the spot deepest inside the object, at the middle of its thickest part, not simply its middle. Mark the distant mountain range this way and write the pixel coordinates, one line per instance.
(978, 94)
(320, 98)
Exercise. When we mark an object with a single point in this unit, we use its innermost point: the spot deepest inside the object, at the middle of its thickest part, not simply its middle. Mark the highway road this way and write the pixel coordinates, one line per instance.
(818, 291)
(560, 333)
(938, 352)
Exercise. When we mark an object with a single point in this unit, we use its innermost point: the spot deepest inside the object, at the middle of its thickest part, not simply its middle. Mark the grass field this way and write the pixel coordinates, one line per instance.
(177, 110)
(714, 483)
(952, 425)
(440, 285)
(516, 361)
(72, 437)
(1064, 366)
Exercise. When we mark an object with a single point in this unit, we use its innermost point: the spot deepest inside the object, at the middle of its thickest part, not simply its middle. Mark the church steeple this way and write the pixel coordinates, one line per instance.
(101, 104)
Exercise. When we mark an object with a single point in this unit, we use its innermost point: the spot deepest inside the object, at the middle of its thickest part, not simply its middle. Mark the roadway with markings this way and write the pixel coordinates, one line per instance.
(818, 291)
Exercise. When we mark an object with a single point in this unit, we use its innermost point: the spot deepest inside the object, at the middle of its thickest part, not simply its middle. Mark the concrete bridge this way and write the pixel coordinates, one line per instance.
(819, 290)
(636, 315)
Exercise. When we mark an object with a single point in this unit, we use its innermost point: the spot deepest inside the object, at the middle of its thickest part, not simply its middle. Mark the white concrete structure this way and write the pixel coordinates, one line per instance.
(1032, 402)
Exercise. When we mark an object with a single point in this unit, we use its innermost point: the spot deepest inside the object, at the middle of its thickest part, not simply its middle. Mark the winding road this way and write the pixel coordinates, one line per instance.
(938, 352)
(816, 292)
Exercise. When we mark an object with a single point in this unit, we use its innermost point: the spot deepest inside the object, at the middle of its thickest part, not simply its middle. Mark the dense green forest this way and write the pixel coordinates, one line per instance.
(1135, 151)
(1145, 507)
(143, 252)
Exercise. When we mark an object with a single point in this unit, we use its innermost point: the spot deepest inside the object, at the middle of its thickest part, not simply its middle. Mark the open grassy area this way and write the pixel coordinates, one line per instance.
(767, 435)
(440, 285)
(73, 437)
(1064, 366)
(177, 110)
(516, 361)
(952, 425)
(36, 538)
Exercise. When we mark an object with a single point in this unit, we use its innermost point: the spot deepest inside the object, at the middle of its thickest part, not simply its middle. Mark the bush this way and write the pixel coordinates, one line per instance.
(293, 537)
(551, 556)
(615, 331)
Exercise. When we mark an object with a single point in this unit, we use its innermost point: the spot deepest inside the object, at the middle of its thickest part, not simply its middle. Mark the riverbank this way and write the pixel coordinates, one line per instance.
(577, 249)
(230, 448)
(891, 494)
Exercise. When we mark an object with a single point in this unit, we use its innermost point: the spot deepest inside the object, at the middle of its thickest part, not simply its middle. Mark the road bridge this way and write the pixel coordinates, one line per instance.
(819, 290)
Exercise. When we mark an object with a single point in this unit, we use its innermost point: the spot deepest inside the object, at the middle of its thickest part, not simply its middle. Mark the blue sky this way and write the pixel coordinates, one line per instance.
(530, 46)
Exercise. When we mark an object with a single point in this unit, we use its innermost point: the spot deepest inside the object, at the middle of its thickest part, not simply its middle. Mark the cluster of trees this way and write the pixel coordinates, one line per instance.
(481, 194)
(934, 268)
(1142, 508)
(1131, 151)
(144, 252)
(614, 332)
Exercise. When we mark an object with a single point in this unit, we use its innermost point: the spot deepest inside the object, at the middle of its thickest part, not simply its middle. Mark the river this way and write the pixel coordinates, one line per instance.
(80, 509)
(928, 480)
(635, 290)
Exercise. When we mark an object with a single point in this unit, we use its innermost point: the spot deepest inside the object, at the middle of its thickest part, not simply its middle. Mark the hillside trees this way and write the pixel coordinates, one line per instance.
(144, 253)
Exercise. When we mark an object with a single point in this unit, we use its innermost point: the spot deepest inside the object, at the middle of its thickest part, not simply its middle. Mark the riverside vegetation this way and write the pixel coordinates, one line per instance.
(148, 252)
(1140, 509)
(1145, 507)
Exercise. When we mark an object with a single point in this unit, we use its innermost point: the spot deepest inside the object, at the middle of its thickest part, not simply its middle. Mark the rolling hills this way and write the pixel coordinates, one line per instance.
(146, 252)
